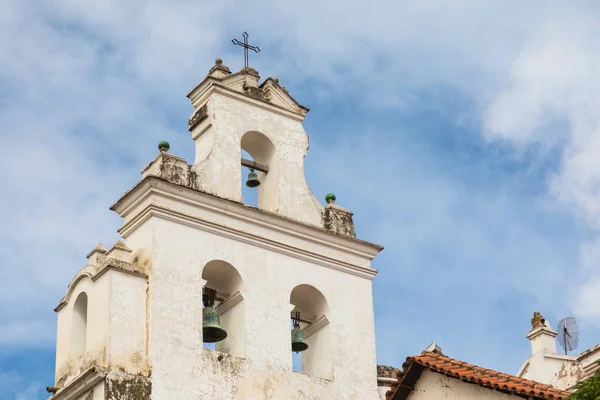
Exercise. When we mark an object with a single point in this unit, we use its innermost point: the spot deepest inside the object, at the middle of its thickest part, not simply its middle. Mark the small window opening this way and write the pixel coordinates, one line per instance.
(309, 313)
(222, 292)
(249, 194)
(259, 180)
(79, 331)
(296, 356)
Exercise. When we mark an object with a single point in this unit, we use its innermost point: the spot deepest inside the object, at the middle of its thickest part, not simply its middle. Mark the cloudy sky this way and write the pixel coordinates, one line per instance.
(465, 136)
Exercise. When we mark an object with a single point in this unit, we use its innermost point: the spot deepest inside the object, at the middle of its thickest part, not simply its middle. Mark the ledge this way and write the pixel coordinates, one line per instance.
(239, 213)
(228, 304)
(80, 385)
(315, 326)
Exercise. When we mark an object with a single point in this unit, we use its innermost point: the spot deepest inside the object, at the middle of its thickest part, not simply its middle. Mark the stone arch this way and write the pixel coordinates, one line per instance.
(314, 309)
(227, 281)
(79, 325)
(263, 151)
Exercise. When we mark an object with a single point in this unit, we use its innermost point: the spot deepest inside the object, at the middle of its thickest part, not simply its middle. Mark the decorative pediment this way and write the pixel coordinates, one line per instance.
(278, 95)
(245, 82)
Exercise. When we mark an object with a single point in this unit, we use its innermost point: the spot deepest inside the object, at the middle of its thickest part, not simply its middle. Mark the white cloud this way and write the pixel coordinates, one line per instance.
(552, 99)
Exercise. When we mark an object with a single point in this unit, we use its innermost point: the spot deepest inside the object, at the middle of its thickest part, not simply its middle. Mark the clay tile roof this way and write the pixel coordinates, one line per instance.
(487, 378)
(385, 371)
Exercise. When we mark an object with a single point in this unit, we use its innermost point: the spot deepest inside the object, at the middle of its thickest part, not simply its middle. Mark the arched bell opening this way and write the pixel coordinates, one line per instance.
(310, 337)
(79, 325)
(249, 191)
(259, 184)
(223, 327)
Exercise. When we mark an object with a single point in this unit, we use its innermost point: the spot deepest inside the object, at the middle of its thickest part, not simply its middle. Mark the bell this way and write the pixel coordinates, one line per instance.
(252, 181)
(298, 343)
(212, 331)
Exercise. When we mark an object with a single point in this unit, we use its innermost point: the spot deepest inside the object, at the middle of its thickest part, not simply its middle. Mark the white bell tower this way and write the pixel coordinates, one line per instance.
(187, 229)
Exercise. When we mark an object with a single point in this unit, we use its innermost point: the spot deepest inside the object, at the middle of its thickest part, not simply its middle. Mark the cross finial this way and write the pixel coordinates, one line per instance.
(246, 46)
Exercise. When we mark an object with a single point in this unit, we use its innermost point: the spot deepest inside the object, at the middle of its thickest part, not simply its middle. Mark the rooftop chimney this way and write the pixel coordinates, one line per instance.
(542, 336)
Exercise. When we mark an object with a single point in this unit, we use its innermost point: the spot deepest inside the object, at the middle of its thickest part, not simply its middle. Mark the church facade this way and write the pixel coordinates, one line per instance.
(196, 264)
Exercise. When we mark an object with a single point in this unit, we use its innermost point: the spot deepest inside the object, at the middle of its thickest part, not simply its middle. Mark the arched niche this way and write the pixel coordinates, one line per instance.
(79, 327)
(313, 308)
(262, 151)
(226, 280)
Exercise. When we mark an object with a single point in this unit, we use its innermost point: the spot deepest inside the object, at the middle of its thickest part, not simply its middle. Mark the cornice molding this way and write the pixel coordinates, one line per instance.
(228, 208)
(169, 215)
(82, 384)
(228, 304)
(217, 88)
(315, 326)
(539, 331)
(153, 186)
(92, 273)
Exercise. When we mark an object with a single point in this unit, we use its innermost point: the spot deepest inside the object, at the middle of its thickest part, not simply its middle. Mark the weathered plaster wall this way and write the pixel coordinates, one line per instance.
(432, 385)
(218, 154)
(122, 386)
(183, 369)
(69, 365)
(95, 393)
(558, 370)
(543, 369)
(116, 326)
(127, 322)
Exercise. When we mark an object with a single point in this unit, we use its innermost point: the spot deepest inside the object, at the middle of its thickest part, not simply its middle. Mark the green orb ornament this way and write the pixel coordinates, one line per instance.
(330, 197)
(164, 145)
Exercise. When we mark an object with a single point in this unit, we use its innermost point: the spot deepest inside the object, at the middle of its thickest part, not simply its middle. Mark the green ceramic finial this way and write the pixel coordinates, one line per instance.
(330, 198)
(164, 146)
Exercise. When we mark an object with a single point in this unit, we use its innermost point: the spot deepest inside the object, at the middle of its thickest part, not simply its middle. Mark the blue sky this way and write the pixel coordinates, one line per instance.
(464, 136)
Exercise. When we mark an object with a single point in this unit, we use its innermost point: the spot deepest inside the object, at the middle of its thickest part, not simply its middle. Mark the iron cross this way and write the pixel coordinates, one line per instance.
(246, 46)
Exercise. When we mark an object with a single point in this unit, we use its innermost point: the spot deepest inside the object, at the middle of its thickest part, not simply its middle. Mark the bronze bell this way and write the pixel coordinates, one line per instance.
(212, 331)
(252, 181)
(298, 343)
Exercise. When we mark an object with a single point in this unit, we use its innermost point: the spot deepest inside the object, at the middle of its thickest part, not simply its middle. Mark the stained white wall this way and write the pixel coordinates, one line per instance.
(432, 385)
(218, 155)
(183, 369)
(68, 363)
(116, 326)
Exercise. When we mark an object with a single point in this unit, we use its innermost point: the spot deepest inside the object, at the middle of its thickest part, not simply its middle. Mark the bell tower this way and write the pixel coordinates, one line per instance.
(198, 265)
(232, 112)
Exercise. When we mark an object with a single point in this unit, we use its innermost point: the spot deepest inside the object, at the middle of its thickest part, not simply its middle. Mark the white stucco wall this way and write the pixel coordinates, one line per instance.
(69, 365)
(116, 326)
(127, 322)
(183, 369)
(432, 385)
(284, 189)
(559, 370)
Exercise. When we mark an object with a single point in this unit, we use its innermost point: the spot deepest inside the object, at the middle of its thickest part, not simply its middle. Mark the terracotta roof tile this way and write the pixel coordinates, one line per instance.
(385, 371)
(473, 374)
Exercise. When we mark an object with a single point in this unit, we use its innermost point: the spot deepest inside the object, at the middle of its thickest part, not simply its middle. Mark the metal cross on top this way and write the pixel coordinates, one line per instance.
(246, 46)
